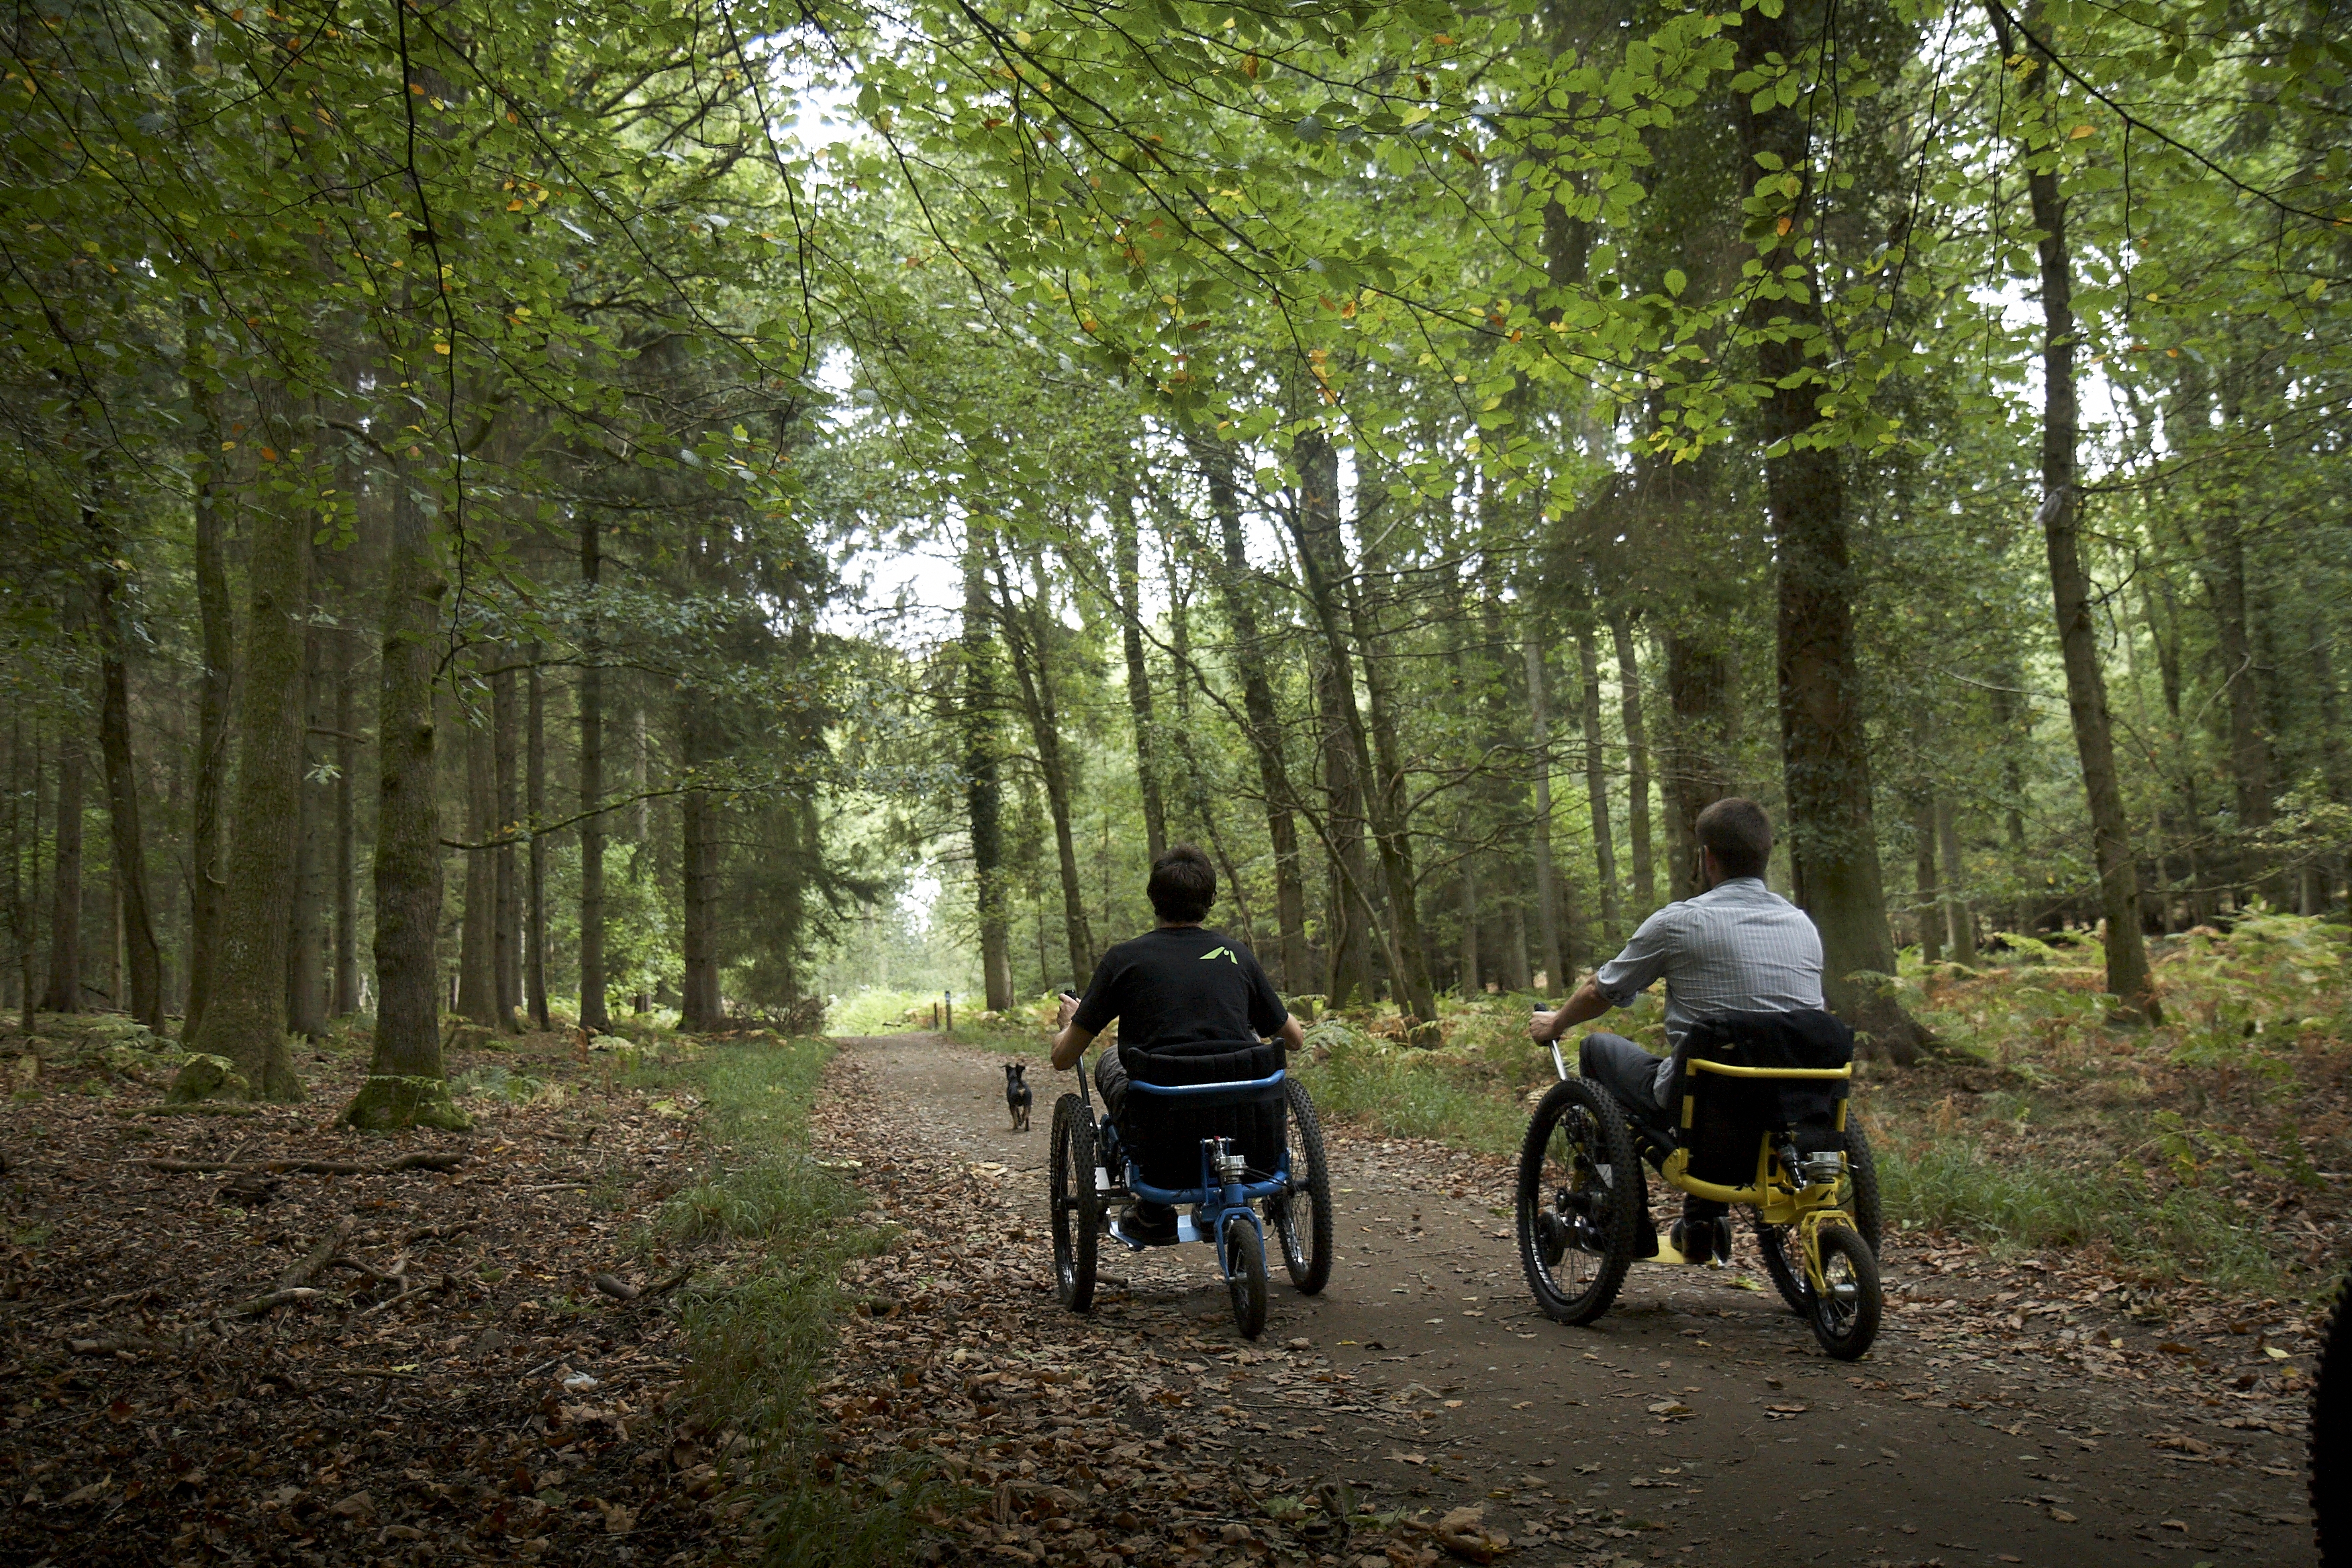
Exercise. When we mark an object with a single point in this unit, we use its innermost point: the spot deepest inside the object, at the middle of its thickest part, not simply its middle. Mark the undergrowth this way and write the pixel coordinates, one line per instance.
(759, 1341)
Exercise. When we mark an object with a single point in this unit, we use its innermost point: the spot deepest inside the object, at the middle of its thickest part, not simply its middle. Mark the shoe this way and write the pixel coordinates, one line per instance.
(1702, 1239)
(1160, 1230)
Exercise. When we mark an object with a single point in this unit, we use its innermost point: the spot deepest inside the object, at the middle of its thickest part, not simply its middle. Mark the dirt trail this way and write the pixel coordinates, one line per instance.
(1696, 1423)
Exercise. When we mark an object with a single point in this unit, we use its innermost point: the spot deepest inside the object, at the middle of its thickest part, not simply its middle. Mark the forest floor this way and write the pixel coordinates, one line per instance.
(440, 1378)
(2036, 1410)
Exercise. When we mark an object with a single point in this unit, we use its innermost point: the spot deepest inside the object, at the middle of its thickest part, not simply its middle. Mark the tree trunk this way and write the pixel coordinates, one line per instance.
(244, 1012)
(1473, 982)
(1924, 905)
(1264, 724)
(1703, 740)
(1388, 756)
(702, 1009)
(1825, 761)
(1314, 525)
(534, 963)
(2225, 584)
(1555, 976)
(1128, 568)
(407, 1084)
(347, 897)
(592, 1014)
(306, 972)
(1959, 920)
(983, 784)
(1346, 899)
(506, 946)
(1637, 763)
(1028, 638)
(217, 618)
(63, 993)
(1596, 783)
(122, 815)
(2128, 978)
(24, 785)
(478, 982)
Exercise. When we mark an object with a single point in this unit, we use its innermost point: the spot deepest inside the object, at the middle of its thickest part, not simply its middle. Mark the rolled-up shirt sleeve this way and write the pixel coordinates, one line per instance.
(1643, 960)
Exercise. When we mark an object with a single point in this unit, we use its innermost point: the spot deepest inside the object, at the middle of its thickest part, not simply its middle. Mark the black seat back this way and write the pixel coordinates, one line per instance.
(1731, 1116)
(1163, 1133)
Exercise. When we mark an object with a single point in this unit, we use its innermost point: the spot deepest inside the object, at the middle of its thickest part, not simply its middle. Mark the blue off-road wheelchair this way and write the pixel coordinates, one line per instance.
(1221, 1131)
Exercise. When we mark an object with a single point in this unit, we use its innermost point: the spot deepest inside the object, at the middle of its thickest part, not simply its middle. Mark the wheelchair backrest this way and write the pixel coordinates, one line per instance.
(1162, 1130)
(1742, 1077)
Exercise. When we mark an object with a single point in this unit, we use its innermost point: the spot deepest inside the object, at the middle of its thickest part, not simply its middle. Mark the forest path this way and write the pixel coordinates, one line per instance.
(1457, 1391)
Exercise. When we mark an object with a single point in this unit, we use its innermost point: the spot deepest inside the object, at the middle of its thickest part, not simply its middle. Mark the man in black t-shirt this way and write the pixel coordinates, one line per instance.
(1179, 985)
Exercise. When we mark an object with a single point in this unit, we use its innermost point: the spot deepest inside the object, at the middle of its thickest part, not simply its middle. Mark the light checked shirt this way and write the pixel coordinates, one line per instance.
(1738, 947)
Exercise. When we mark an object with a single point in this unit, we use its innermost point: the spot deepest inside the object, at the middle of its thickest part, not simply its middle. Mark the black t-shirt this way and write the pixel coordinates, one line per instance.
(1180, 986)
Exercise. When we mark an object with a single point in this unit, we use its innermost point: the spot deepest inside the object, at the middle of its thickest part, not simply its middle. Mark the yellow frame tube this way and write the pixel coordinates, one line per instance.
(1700, 1063)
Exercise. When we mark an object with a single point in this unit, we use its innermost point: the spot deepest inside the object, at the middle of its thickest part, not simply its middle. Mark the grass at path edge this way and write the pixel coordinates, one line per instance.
(761, 1341)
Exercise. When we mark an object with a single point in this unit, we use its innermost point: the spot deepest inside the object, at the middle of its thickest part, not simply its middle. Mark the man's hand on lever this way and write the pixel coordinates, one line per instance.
(1071, 1042)
(1585, 1005)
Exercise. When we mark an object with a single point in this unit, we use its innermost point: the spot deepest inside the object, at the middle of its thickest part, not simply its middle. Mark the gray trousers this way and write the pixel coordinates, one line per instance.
(1639, 1081)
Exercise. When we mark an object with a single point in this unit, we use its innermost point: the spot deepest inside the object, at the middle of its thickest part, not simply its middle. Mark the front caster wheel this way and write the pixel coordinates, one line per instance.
(1077, 1205)
(1244, 1262)
(1845, 1309)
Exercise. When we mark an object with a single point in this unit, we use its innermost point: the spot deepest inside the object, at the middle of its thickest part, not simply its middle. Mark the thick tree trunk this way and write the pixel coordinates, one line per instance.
(217, 618)
(407, 1084)
(1637, 763)
(534, 960)
(478, 982)
(1825, 761)
(63, 993)
(1314, 525)
(123, 812)
(1129, 571)
(244, 1014)
(1548, 935)
(983, 784)
(2128, 978)
(1704, 739)
(1264, 724)
(1596, 783)
(506, 947)
(1387, 757)
(592, 1013)
(347, 894)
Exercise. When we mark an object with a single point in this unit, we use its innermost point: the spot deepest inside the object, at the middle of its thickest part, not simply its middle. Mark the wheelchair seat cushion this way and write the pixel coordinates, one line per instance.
(1730, 1116)
(1163, 1134)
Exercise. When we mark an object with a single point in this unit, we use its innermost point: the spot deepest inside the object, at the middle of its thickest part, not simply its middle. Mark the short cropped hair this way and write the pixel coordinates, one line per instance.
(1183, 884)
(1739, 835)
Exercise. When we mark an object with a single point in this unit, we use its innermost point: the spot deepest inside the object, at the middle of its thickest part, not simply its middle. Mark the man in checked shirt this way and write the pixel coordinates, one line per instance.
(1737, 947)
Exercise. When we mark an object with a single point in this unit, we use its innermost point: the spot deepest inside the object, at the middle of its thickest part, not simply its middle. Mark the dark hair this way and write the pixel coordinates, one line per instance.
(1739, 835)
(1183, 884)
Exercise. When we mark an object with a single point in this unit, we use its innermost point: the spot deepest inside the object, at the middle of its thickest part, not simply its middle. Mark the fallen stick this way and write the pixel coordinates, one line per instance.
(614, 1286)
(310, 1167)
(425, 1290)
(290, 1286)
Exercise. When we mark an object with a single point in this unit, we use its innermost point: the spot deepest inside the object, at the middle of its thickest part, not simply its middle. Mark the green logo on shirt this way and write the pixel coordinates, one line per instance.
(1226, 953)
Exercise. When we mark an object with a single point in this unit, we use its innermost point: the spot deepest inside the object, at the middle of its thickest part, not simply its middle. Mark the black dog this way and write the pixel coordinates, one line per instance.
(1017, 1098)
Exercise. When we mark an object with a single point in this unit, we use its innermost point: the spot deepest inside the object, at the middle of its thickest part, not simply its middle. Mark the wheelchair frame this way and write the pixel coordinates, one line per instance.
(1224, 1204)
(1777, 1194)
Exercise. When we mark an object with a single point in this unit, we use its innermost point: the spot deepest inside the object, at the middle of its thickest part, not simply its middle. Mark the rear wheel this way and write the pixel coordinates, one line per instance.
(1580, 1200)
(1077, 1207)
(1858, 1194)
(1244, 1262)
(1302, 1217)
(1845, 1310)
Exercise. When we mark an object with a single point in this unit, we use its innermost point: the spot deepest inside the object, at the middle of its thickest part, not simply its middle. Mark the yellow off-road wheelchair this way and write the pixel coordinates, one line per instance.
(1762, 1126)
